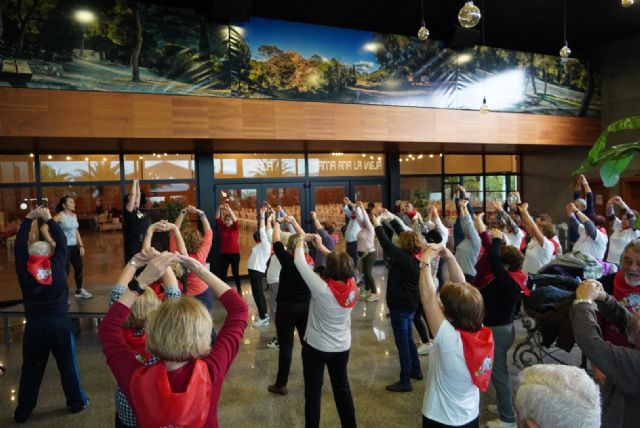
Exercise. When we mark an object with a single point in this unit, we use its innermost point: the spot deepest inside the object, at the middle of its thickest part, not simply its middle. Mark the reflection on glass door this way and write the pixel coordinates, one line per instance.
(327, 202)
(289, 198)
(243, 202)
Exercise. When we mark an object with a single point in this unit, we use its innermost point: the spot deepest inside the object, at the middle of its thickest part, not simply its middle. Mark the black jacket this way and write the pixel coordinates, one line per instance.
(43, 301)
(502, 295)
(404, 271)
(293, 292)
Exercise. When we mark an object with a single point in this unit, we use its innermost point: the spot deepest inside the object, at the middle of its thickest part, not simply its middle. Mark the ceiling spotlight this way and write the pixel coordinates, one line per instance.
(565, 52)
(363, 155)
(68, 157)
(440, 154)
(140, 157)
(86, 159)
(431, 155)
(420, 156)
(400, 159)
(49, 157)
(484, 108)
(104, 159)
(469, 15)
(30, 155)
(627, 3)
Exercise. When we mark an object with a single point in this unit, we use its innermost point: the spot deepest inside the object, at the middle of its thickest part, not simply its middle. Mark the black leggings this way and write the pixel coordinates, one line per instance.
(286, 321)
(257, 278)
(420, 323)
(313, 363)
(234, 261)
(74, 258)
(367, 261)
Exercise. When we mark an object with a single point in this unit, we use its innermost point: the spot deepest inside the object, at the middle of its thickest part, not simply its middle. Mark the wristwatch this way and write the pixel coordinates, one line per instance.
(133, 263)
(424, 265)
(577, 301)
(135, 287)
(183, 212)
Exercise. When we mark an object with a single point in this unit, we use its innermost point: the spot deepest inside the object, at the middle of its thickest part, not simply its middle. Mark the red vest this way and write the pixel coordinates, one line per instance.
(156, 405)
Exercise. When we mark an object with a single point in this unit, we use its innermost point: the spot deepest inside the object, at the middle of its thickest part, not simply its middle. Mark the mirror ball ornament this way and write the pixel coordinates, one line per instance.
(565, 52)
(423, 32)
(484, 108)
(627, 3)
(469, 15)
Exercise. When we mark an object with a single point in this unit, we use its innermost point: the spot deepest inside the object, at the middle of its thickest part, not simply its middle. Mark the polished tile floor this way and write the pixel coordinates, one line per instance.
(245, 401)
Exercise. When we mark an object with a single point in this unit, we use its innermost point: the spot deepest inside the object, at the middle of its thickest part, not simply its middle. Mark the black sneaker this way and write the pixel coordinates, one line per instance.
(399, 387)
(417, 376)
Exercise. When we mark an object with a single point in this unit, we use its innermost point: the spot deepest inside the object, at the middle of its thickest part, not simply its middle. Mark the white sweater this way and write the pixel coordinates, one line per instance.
(260, 253)
(329, 324)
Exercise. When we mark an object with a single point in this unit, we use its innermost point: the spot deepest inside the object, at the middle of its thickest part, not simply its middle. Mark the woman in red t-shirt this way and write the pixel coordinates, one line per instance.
(229, 247)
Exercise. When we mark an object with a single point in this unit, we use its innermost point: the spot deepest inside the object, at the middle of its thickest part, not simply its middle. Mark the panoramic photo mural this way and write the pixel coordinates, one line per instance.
(125, 46)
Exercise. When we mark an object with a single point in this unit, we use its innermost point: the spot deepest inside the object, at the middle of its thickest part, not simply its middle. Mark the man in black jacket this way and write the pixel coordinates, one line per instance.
(43, 281)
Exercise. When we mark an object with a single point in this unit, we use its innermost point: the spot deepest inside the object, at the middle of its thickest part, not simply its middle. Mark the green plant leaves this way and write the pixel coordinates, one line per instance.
(610, 170)
(615, 158)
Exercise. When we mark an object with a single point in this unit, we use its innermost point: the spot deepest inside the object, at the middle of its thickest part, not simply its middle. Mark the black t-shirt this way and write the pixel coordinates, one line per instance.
(292, 290)
(135, 225)
(502, 295)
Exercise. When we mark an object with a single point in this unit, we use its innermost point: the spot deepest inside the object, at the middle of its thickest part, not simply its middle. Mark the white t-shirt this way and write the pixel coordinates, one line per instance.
(514, 239)
(594, 247)
(260, 253)
(450, 396)
(618, 240)
(537, 256)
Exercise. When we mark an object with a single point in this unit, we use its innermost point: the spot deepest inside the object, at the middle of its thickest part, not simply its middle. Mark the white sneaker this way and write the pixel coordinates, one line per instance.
(261, 322)
(493, 408)
(364, 294)
(424, 348)
(497, 423)
(372, 297)
(273, 344)
(83, 294)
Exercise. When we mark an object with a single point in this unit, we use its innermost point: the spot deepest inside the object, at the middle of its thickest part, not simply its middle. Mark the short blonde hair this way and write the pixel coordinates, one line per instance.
(142, 308)
(180, 330)
(40, 248)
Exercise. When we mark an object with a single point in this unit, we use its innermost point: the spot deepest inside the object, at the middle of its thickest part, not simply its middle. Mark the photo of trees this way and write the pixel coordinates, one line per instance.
(127, 46)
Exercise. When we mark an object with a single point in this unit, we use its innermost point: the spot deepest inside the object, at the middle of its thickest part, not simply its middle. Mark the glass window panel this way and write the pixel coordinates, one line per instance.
(514, 183)
(496, 197)
(99, 210)
(496, 182)
(346, 164)
(328, 205)
(287, 197)
(65, 168)
(427, 188)
(15, 204)
(164, 201)
(463, 164)
(420, 164)
(17, 169)
(243, 202)
(502, 163)
(258, 165)
(159, 166)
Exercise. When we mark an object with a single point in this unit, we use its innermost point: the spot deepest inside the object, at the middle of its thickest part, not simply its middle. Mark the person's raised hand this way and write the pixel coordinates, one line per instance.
(43, 213)
(156, 267)
(290, 219)
(571, 208)
(523, 206)
(309, 237)
(464, 202)
(263, 210)
(497, 205)
(32, 215)
(143, 257)
(617, 200)
(191, 264)
(314, 215)
(589, 289)
(317, 240)
(496, 233)
(430, 252)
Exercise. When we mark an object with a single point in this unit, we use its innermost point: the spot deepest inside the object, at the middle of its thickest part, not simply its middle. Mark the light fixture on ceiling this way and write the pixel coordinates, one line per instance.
(423, 32)
(627, 3)
(484, 107)
(565, 52)
(469, 15)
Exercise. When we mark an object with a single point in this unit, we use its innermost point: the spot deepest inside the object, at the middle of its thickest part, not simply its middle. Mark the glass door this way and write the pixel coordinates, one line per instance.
(243, 201)
(369, 192)
(290, 196)
(326, 201)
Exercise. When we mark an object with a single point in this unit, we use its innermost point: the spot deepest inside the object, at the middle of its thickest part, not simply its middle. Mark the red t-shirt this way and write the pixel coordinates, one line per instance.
(195, 285)
(229, 237)
(122, 361)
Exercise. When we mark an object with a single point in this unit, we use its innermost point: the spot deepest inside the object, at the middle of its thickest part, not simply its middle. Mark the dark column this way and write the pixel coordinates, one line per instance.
(393, 179)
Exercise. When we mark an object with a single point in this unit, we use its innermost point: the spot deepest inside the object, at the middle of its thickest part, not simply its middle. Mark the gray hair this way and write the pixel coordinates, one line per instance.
(558, 396)
(633, 245)
(581, 202)
(40, 248)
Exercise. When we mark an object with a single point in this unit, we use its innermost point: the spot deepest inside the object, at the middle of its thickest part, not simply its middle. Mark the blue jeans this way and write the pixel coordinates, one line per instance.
(402, 323)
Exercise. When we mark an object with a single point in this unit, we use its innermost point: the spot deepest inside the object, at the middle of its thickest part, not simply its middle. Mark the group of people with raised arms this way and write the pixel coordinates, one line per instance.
(158, 333)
